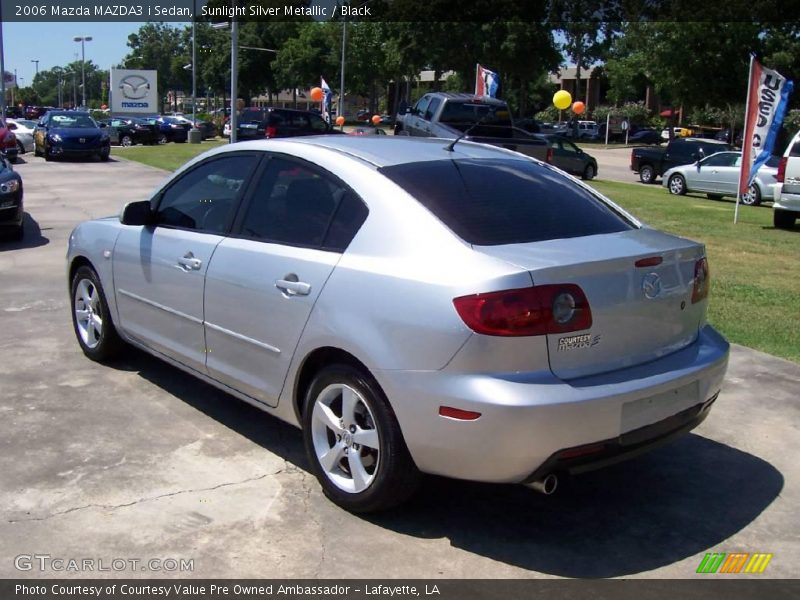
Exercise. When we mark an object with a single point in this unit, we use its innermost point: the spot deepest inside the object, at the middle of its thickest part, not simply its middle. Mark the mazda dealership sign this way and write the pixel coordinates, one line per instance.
(134, 91)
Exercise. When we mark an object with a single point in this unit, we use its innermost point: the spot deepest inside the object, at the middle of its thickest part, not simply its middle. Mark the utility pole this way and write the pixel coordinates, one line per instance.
(82, 39)
(340, 105)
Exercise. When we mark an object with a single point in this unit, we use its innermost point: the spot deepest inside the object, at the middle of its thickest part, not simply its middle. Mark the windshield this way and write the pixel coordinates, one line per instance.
(73, 122)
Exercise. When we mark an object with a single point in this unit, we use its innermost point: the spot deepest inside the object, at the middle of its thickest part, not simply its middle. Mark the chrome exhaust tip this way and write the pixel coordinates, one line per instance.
(546, 485)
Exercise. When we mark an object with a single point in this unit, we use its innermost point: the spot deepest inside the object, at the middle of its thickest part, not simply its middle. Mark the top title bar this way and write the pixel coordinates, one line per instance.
(548, 11)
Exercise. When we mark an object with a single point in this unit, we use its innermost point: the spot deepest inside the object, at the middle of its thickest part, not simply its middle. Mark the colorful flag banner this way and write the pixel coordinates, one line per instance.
(767, 98)
(486, 82)
(325, 105)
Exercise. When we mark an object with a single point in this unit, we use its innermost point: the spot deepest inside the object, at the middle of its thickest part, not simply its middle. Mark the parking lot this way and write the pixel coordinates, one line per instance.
(139, 461)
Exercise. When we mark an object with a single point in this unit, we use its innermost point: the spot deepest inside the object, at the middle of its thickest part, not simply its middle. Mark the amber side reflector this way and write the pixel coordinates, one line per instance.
(457, 413)
(581, 451)
(649, 262)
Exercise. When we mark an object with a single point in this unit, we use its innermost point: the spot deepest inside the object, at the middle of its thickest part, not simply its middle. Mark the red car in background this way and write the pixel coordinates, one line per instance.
(8, 142)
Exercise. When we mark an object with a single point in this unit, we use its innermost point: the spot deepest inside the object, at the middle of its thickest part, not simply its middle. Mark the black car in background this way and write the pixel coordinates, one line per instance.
(169, 129)
(69, 133)
(568, 157)
(258, 123)
(645, 135)
(11, 209)
(127, 132)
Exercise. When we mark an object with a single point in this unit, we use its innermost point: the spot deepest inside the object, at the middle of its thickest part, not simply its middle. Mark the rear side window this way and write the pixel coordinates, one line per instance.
(502, 201)
(795, 151)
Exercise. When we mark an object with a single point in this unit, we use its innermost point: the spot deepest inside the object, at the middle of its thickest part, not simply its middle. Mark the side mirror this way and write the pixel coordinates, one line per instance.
(408, 110)
(137, 213)
(40, 124)
(102, 125)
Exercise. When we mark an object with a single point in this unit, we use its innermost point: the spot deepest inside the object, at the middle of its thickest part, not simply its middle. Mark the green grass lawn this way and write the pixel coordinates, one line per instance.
(755, 282)
(755, 269)
(168, 156)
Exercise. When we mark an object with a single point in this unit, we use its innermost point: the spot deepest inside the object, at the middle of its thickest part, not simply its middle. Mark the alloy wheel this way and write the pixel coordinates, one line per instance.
(345, 438)
(88, 313)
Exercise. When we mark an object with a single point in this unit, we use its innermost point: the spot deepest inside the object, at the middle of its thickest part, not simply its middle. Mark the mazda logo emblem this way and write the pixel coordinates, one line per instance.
(651, 285)
(134, 87)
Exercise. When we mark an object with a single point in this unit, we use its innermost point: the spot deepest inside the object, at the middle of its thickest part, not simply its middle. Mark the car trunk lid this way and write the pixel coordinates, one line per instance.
(639, 313)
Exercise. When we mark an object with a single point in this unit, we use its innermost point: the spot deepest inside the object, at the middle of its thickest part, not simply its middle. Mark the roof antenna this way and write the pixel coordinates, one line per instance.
(451, 145)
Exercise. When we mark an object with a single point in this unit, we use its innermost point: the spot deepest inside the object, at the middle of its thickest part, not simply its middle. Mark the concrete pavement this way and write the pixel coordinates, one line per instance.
(138, 461)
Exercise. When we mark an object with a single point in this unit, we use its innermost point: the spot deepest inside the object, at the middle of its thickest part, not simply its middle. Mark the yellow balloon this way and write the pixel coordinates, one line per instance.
(562, 99)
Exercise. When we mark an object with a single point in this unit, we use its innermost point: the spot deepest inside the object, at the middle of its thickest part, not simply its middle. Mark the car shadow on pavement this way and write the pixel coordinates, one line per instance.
(33, 237)
(668, 505)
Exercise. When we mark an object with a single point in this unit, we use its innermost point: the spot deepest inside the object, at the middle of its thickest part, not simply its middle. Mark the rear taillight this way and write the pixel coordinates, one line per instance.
(537, 310)
(549, 155)
(271, 132)
(781, 170)
(702, 282)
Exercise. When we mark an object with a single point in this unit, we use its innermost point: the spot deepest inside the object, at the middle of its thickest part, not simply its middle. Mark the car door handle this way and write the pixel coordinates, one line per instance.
(188, 262)
(293, 288)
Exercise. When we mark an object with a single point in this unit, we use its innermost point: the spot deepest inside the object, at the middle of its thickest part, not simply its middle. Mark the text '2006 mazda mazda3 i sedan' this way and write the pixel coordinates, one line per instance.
(415, 306)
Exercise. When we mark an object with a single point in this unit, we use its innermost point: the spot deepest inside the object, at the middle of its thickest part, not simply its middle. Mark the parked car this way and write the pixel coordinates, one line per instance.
(169, 129)
(23, 131)
(505, 303)
(568, 157)
(588, 130)
(724, 135)
(651, 163)
(8, 142)
(11, 206)
(268, 122)
(70, 133)
(718, 175)
(366, 131)
(645, 135)
(207, 129)
(127, 132)
(786, 208)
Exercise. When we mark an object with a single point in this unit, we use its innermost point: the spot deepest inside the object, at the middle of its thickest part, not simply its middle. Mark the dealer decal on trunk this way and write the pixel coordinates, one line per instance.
(587, 340)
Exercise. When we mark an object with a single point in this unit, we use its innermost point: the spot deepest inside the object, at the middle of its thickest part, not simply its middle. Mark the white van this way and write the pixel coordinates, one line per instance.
(786, 208)
(588, 129)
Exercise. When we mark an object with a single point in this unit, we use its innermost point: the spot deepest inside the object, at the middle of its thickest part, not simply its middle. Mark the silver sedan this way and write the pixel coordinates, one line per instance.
(414, 306)
(718, 175)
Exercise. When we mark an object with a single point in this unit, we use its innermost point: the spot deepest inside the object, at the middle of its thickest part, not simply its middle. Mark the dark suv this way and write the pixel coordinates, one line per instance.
(257, 123)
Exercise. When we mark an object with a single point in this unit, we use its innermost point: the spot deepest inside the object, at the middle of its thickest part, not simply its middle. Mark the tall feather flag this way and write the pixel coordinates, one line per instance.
(325, 105)
(486, 82)
(767, 97)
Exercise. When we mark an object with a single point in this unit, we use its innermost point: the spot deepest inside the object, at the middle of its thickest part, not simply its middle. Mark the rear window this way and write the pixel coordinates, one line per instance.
(501, 201)
(470, 112)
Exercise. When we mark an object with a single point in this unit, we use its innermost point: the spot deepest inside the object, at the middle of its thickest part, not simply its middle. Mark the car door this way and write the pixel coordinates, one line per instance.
(416, 119)
(717, 174)
(160, 269)
(264, 279)
(572, 157)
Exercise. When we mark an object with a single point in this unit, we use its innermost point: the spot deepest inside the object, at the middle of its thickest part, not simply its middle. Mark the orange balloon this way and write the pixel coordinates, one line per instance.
(316, 94)
(376, 119)
(340, 120)
(578, 107)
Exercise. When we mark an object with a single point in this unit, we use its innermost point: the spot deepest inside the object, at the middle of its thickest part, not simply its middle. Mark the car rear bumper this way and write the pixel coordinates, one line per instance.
(785, 201)
(529, 421)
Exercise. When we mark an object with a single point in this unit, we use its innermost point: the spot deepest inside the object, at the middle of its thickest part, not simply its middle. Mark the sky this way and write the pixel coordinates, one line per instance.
(51, 44)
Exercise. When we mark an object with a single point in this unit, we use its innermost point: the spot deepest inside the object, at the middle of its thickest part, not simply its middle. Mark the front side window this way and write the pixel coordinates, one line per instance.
(721, 159)
(204, 199)
(296, 205)
(318, 123)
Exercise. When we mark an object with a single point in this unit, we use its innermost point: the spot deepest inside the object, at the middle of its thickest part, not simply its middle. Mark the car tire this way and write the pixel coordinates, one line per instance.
(784, 219)
(20, 148)
(589, 172)
(647, 174)
(104, 154)
(126, 141)
(36, 150)
(677, 185)
(714, 196)
(47, 156)
(162, 138)
(19, 233)
(91, 318)
(752, 197)
(371, 445)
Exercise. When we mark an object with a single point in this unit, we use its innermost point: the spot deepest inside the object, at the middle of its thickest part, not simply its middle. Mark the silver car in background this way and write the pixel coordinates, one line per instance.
(718, 175)
(414, 305)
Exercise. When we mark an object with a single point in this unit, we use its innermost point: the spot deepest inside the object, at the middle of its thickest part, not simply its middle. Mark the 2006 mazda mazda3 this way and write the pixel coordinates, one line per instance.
(415, 306)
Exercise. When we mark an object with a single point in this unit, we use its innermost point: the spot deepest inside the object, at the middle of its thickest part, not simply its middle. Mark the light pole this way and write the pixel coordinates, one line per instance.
(82, 39)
